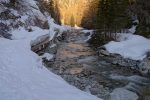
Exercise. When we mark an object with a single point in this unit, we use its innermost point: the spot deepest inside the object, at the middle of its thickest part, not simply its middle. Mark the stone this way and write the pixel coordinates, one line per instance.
(87, 34)
(102, 48)
(94, 91)
(123, 94)
(104, 52)
(75, 71)
(52, 49)
(148, 55)
(144, 66)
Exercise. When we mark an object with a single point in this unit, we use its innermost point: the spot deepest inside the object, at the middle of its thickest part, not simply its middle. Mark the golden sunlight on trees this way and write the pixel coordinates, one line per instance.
(72, 12)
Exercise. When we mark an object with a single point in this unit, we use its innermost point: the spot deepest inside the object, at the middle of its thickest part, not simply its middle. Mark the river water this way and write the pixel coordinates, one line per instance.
(77, 63)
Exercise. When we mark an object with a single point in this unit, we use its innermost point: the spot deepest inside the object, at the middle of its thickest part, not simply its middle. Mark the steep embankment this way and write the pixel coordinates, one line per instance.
(19, 13)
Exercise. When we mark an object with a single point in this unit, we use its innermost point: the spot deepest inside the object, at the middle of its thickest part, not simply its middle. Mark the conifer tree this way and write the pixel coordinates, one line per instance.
(112, 15)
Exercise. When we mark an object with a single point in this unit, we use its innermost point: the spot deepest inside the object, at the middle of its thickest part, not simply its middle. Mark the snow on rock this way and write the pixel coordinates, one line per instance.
(54, 28)
(133, 29)
(47, 56)
(24, 13)
(134, 47)
(77, 27)
(123, 94)
(89, 33)
(35, 36)
(32, 9)
(23, 77)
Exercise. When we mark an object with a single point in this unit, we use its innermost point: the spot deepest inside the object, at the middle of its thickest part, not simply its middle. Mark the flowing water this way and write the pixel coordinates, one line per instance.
(80, 66)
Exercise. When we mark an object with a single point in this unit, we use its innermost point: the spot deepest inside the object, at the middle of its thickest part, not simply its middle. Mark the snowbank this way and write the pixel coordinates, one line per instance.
(134, 47)
(23, 77)
(55, 27)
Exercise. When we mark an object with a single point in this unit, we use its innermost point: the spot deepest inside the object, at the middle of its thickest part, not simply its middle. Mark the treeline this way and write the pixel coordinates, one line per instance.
(105, 15)
(99, 14)
(142, 9)
(72, 12)
(113, 15)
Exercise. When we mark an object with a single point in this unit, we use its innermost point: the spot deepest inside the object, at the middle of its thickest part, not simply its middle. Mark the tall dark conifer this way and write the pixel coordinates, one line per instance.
(112, 15)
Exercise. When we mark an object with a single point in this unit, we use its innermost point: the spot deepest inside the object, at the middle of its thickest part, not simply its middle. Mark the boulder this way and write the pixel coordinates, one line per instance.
(144, 66)
(123, 94)
(104, 52)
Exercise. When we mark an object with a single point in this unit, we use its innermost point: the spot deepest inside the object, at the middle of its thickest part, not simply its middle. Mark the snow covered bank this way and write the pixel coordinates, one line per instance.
(134, 47)
(54, 28)
(23, 77)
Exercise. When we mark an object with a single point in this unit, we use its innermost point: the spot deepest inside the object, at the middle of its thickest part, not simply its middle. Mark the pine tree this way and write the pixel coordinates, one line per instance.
(112, 15)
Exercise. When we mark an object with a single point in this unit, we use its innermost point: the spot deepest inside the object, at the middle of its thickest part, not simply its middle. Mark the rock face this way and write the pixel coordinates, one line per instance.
(16, 13)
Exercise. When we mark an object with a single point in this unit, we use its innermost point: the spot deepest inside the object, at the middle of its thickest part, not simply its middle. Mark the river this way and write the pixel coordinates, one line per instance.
(78, 63)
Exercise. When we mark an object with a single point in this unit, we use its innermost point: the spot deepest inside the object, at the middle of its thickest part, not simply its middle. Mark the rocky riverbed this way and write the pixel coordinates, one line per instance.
(81, 66)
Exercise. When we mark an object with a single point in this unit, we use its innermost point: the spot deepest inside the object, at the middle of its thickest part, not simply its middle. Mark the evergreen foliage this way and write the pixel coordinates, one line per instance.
(142, 9)
(112, 15)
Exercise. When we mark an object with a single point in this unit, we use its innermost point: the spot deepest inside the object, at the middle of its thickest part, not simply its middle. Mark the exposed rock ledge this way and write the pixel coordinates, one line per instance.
(142, 66)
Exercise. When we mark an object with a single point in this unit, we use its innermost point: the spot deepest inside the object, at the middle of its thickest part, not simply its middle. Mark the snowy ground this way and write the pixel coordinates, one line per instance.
(134, 47)
(23, 77)
(130, 46)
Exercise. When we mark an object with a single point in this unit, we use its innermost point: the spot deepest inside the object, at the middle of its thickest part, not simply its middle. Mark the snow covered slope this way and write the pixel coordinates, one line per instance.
(24, 13)
(23, 77)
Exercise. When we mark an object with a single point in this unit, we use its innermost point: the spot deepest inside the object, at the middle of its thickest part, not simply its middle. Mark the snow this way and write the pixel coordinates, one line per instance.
(30, 12)
(134, 47)
(24, 18)
(54, 28)
(21, 33)
(53, 45)
(87, 31)
(77, 27)
(47, 56)
(51, 25)
(132, 29)
(23, 77)
(90, 34)
(14, 12)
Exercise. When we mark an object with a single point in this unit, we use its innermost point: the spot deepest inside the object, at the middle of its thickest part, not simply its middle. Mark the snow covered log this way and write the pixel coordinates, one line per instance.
(40, 43)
